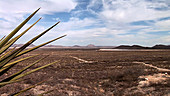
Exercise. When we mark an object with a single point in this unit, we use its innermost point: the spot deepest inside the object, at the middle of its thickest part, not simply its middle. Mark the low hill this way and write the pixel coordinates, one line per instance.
(161, 47)
(141, 47)
(130, 47)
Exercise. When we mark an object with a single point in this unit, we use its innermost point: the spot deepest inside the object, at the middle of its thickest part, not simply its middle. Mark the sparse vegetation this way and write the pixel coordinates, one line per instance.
(111, 73)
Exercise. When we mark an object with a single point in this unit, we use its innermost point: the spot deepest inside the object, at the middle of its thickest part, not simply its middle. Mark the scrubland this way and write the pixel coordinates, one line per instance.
(91, 72)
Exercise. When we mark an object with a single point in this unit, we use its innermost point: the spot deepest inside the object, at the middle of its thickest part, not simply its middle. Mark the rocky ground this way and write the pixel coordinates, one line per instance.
(95, 73)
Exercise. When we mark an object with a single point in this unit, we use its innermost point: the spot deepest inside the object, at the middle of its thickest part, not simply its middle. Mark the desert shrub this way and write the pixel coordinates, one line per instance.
(126, 77)
(128, 74)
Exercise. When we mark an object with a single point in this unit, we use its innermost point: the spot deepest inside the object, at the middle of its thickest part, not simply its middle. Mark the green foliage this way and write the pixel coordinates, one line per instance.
(7, 55)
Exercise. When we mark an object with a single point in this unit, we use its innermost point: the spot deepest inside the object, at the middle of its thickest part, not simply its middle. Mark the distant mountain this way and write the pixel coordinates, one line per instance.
(130, 47)
(141, 47)
(76, 46)
(161, 47)
(90, 46)
(53, 46)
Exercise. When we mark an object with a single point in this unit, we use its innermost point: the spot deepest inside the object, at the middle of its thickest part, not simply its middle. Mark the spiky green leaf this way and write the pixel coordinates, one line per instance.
(34, 70)
(5, 40)
(9, 82)
(21, 71)
(5, 60)
(36, 47)
(17, 37)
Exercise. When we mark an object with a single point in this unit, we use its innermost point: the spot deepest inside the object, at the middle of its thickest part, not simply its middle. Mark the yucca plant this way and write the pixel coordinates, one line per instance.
(8, 56)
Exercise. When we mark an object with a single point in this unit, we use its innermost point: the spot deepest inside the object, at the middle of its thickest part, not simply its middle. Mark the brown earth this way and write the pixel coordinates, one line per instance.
(95, 73)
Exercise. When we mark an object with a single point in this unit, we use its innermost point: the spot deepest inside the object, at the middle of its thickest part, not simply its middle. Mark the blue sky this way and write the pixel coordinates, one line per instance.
(99, 22)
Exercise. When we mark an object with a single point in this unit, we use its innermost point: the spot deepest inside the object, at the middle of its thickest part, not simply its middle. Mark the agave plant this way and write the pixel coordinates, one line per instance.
(8, 56)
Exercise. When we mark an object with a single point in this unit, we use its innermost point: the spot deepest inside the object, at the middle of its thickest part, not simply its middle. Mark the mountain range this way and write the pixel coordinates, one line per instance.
(91, 46)
(141, 47)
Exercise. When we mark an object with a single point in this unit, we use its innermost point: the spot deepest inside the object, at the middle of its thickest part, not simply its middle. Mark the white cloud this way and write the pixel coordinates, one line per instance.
(56, 19)
(165, 39)
(11, 10)
(157, 27)
(164, 25)
(76, 24)
(116, 16)
(118, 13)
(75, 28)
(126, 11)
(25, 6)
(97, 36)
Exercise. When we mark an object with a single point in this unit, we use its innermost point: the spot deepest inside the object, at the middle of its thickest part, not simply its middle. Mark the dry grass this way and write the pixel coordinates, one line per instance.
(112, 73)
(155, 79)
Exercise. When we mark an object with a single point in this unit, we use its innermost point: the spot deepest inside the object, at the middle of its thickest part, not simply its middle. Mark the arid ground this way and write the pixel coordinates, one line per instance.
(97, 73)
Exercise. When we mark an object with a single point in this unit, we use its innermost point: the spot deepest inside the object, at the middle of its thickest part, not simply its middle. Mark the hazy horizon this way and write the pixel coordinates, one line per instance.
(96, 45)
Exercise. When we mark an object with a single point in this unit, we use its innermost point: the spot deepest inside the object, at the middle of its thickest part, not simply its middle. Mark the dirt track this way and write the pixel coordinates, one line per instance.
(90, 72)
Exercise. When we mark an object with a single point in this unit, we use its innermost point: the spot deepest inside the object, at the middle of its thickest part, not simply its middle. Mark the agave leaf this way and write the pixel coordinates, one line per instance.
(3, 49)
(36, 47)
(24, 90)
(34, 70)
(9, 57)
(2, 38)
(35, 38)
(5, 70)
(5, 60)
(5, 40)
(17, 61)
(7, 52)
(12, 41)
(9, 65)
(17, 37)
(10, 82)
(21, 71)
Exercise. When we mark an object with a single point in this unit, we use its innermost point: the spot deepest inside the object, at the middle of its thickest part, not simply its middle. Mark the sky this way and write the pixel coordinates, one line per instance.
(98, 22)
